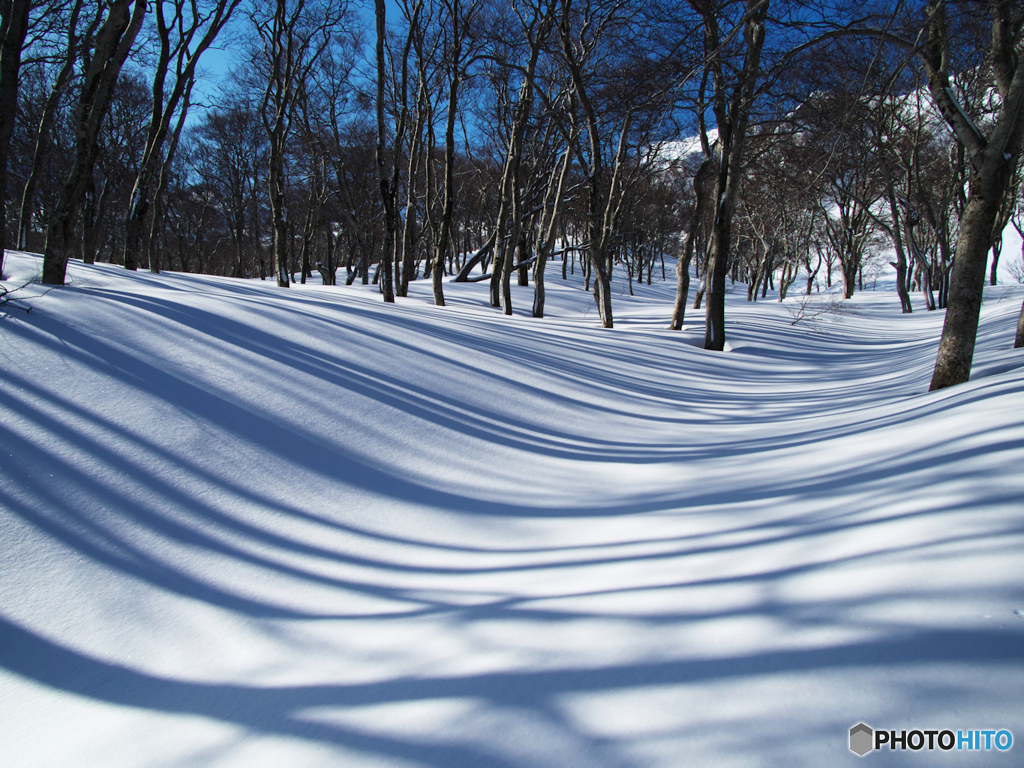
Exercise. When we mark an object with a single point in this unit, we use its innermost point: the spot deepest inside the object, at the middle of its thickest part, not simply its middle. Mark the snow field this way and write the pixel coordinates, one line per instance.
(248, 526)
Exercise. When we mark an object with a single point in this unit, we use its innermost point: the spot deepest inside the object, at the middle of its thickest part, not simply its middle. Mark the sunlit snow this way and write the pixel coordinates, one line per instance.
(250, 526)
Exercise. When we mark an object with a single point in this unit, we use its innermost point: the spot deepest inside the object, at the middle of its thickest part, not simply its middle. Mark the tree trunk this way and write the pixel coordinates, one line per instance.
(90, 214)
(307, 240)
(509, 208)
(409, 237)
(522, 257)
(718, 268)
(850, 268)
(539, 294)
(547, 233)
(683, 263)
(992, 161)
(1018, 343)
(732, 119)
(508, 251)
(278, 211)
(14, 28)
(113, 43)
(478, 258)
(602, 289)
(44, 133)
(924, 276)
(441, 247)
(967, 278)
(900, 265)
(386, 193)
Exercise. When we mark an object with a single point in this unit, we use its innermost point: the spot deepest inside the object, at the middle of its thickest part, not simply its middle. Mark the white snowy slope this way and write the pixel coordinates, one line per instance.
(246, 526)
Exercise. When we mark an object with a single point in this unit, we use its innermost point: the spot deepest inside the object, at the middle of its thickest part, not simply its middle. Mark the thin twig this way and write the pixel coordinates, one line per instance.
(804, 311)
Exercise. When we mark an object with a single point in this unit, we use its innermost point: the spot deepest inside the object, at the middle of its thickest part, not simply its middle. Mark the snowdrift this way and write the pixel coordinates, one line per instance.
(247, 526)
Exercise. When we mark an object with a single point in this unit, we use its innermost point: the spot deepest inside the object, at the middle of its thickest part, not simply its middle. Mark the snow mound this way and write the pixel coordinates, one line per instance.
(249, 526)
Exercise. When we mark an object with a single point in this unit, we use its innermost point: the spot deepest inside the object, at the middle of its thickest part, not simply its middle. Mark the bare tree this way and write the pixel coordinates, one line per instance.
(621, 100)
(702, 195)
(886, 135)
(121, 143)
(13, 28)
(293, 37)
(388, 183)
(992, 150)
(107, 55)
(42, 146)
(548, 223)
(732, 100)
(185, 29)
(232, 161)
(536, 23)
(425, 41)
(459, 54)
(339, 122)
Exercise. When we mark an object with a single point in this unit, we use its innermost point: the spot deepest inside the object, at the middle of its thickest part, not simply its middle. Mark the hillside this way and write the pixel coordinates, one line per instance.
(247, 526)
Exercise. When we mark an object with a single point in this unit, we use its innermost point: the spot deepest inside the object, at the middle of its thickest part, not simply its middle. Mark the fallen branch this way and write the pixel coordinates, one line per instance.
(808, 311)
(472, 261)
(7, 298)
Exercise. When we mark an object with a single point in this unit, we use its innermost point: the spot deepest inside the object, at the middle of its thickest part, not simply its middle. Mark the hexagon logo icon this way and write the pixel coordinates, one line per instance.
(861, 739)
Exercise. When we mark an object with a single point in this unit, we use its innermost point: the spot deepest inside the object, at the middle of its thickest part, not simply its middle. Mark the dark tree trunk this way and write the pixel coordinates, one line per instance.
(850, 267)
(1002, 221)
(993, 159)
(14, 27)
(522, 256)
(967, 277)
(900, 265)
(113, 43)
(509, 210)
(732, 112)
(278, 215)
(386, 193)
(547, 233)
(44, 133)
(539, 294)
(683, 264)
(409, 236)
(90, 215)
(480, 257)
(444, 236)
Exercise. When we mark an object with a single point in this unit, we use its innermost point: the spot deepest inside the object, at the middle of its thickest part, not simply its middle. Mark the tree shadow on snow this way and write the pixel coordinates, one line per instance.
(191, 505)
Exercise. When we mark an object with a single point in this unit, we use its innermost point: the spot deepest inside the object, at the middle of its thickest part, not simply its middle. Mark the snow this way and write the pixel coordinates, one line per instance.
(248, 526)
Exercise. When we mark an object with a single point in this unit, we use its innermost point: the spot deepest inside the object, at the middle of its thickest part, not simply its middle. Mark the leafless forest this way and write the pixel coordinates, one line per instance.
(785, 144)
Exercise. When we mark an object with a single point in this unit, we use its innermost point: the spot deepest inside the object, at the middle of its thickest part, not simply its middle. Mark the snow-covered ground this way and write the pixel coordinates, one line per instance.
(247, 526)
